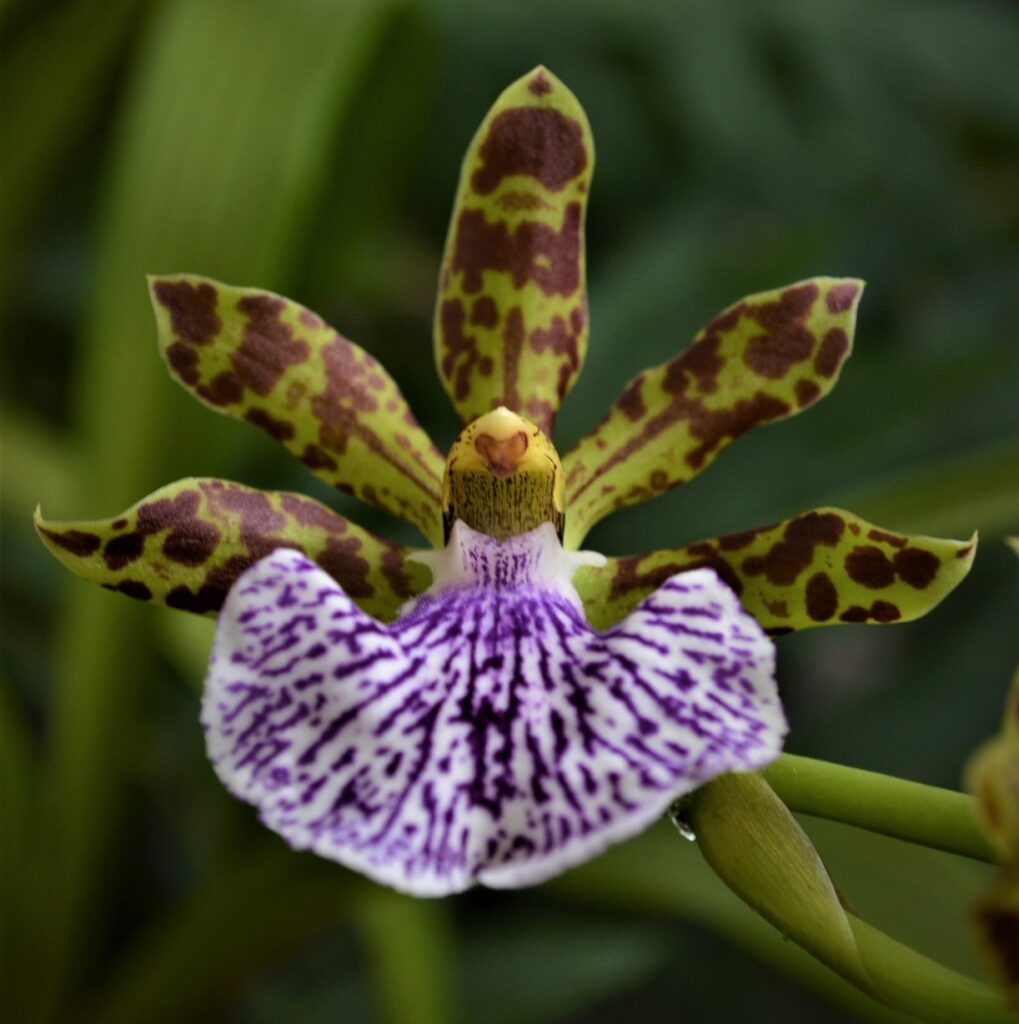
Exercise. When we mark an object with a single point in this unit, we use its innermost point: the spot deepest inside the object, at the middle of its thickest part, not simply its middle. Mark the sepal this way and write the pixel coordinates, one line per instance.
(511, 315)
(185, 545)
(262, 358)
(768, 357)
(822, 568)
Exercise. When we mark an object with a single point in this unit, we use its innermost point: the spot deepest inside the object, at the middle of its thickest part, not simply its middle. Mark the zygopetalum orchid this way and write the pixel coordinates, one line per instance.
(533, 703)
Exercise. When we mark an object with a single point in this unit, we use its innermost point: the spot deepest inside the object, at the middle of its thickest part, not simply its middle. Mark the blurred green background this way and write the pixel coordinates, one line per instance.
(312, 147)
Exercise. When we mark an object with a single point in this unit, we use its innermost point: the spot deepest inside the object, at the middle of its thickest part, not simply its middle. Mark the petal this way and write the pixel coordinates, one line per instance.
(511, 315)
(997, 917)
(262, 358)
(992, 776)
(821, 568)
(185, 545)
(489, 735)
(768, 357)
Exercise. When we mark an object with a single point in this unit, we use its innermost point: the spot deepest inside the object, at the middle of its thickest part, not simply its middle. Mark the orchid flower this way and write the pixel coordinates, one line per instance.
(992, 775)
(503, 705)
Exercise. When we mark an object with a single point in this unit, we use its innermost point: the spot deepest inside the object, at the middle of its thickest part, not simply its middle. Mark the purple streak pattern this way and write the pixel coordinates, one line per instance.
(489, 735)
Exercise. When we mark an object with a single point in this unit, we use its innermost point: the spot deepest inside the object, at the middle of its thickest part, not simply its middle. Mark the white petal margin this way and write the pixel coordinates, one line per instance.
(489, 736)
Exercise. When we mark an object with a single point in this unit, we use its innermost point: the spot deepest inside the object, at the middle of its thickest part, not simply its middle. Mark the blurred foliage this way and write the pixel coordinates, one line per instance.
(312, 146)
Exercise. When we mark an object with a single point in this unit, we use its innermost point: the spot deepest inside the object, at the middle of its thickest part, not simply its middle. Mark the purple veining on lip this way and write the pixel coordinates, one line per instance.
(489, 735)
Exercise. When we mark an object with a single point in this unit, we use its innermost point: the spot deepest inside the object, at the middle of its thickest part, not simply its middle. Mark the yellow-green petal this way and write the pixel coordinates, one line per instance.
(993, 777)
(997, 918)
(184, 546)
(768, 357)
(511, 315)
(259, 357)
(822, 568)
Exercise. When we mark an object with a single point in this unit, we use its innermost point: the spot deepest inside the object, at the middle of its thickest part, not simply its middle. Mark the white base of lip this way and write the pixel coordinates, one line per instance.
(536, 558)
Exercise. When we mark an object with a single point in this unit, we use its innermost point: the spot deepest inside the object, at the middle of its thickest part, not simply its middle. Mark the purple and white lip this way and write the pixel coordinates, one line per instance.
(489, 735)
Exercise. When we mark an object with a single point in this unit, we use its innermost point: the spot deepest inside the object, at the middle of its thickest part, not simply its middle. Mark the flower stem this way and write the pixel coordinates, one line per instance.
(753, 843)
(914, 984)
(411, 955)
(927, 815)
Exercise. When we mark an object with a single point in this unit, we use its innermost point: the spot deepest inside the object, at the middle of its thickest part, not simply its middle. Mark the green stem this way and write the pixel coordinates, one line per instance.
(410, 954)
(754, 844)
(914, 984)
(927, 815)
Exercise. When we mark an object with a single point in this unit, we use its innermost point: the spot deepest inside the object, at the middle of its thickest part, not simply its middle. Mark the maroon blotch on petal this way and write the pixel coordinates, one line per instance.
(78, 542)
(807, 392)
(123, 550)
(822, 597)
(183, 360)
(787, 558)
(192, 310)
(533, 251)
(840, 297)
(539, 142)
(539, 85)
(193, 545)
(916, 567)
(870, 567)
(268, 347)
(832, 352)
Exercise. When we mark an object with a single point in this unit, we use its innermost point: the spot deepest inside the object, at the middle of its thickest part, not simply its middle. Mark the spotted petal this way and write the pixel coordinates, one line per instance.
(511, 316)
(993, 777)
(489, 735)
(997, 918)
(186, 544)
(262, 358)
(818, 569)
(768, 357)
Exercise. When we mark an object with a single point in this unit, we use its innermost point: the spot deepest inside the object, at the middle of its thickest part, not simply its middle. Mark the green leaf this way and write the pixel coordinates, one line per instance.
(70, 57)
(977, 488)
(259, 357)
(18, 789)
(511, 316)
(218, 159)
(246, 917)
(822, 568)
(768, 357)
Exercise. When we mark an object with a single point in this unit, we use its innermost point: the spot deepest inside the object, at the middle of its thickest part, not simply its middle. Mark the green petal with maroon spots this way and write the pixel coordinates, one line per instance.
(823, 568)
(185, 544)
(768, 357)
(511, 315)
(262, 358)
(997, 918)
(992, 775)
